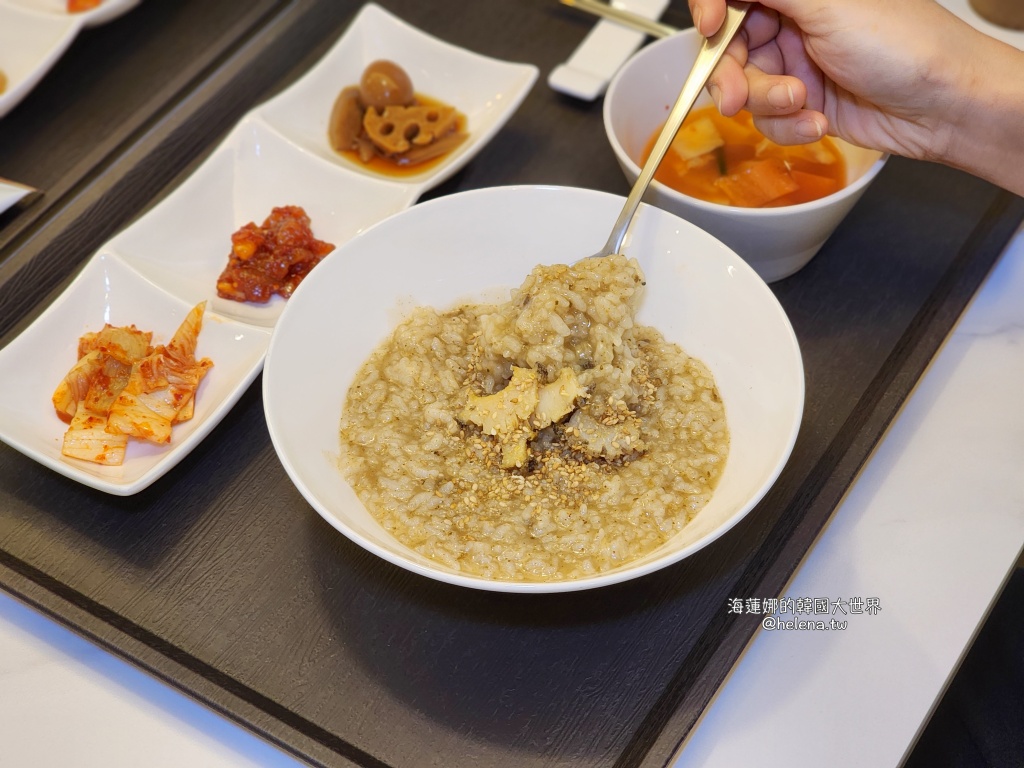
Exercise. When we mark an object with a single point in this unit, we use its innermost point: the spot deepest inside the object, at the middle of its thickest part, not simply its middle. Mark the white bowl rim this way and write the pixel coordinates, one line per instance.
(624, 573)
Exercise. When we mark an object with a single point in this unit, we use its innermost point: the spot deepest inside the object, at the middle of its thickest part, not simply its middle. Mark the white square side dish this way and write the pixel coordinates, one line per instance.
(12, 193)
(107, 10)
(108, 291)
(34, 34)
(183, 244)
(30, 44)
(486, 90)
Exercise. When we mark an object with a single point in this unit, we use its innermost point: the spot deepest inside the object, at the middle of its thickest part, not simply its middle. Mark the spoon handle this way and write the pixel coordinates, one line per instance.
(710, 53)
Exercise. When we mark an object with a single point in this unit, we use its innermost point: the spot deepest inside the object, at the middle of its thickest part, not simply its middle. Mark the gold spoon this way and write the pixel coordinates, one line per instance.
(710, 53)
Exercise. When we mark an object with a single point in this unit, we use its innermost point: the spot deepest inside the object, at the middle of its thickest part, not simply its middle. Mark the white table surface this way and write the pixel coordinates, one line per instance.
(932, 527)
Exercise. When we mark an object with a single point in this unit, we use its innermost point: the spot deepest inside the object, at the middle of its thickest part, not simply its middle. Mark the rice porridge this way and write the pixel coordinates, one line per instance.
(546, 438)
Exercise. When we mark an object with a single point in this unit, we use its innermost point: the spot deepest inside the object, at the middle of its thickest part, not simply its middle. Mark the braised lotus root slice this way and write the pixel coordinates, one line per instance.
(383, 84)
(398, 129)
(383, 118)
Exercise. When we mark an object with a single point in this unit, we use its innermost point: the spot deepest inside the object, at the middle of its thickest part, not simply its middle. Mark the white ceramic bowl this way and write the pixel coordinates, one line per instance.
(776, 242)
(465, 247)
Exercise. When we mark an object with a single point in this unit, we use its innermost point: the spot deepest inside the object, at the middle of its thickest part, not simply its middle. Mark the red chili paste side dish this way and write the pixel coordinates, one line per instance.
(272, 258)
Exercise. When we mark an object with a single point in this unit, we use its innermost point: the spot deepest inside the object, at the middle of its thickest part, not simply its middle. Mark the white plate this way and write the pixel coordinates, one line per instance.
(11, 193)
(30, 43)
(183, 244)
(487, 91)
(35, 33)
(107, 10)
(168, 260)
(107, 291)
(699, 294)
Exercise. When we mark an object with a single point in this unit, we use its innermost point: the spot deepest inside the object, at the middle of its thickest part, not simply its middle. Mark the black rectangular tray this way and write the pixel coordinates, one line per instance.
(222, 581)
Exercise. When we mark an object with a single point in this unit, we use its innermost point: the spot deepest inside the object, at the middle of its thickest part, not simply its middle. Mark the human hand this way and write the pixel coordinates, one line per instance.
(877, 74)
